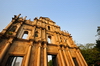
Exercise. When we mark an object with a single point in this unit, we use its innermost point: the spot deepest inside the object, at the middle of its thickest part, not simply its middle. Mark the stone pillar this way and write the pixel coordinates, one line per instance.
(66, 59)
(82, 58)
(38, 55)
(39, 33)
(33, 31)
(70, 57)
(20, 33)
(45, 37)
(59, 60)
(19, 25)
(61, 57)
(28, 55)
(45, 55)
(54, 38)
(5, 49)
(79, 59)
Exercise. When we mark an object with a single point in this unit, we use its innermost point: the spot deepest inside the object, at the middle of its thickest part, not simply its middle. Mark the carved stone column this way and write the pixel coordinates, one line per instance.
(82, 58)
(66, 59)
(59, 60)
(45, 37)
(33, 31)
(5, 48)
(70, 56)
(79, 59)
(39, 32)
(62, 60)
(19, 25)
(38, 56)
(43, 34)
(28, 55)
(45, 55)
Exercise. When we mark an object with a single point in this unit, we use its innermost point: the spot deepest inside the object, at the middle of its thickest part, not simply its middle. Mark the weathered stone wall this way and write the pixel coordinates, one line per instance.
(44, 38)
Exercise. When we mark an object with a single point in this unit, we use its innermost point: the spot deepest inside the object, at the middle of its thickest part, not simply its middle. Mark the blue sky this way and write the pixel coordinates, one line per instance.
(78, 17)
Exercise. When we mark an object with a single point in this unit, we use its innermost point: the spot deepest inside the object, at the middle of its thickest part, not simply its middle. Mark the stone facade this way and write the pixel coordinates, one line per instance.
(34, 40)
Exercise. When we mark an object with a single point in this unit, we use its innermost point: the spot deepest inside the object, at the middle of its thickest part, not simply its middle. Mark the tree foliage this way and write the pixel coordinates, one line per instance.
(90, 53)
(50, 63)
(98, 44)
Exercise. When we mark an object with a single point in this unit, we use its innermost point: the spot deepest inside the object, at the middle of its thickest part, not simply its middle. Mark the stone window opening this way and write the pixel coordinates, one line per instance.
(13, 28)
(36, 34)
(14, 61)
(75, 61)
(49, 39)
(48, 27)
(52, 60)
(25, 35)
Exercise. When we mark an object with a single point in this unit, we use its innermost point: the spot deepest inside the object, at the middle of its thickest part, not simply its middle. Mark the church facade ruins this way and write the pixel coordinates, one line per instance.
(28, 43)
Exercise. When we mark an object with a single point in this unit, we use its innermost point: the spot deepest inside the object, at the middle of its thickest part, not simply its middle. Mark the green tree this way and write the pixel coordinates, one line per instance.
(98, 44)
(50, 63)
(90, 53)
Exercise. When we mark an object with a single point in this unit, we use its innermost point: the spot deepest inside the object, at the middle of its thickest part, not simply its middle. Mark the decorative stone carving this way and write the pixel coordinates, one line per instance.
(36, 48)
